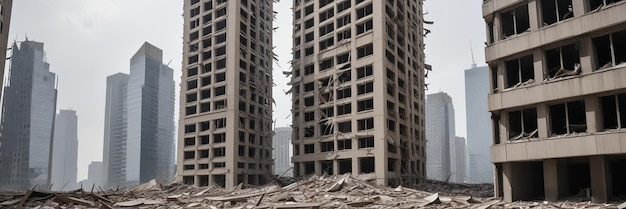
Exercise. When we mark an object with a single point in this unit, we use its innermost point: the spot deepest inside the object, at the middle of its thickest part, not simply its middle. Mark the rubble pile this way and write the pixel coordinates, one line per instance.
(315, 192)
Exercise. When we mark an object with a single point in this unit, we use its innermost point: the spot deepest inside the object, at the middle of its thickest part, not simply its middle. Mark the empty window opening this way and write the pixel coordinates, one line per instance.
(391, 165)
(515, 21)
(219, 152)
(344, 109)
(327, 167)
(618, 171)
(578, 176)
(610, 50)
(309, 131)
(495, 123)
(252, 179)
(491, 34)
(527, 180)
(520, 71)
(613, 111)
(309, 148)
(189, 155)
(345, 166)
(309, 168)
(494, 78)
(366, 165)
(219, 180)
(326, 129)
(203, 180)
(556, 10)
(523, 124)
(189, 180)
(596, 4)
(366, 124)
(568, 118)
(562, 61)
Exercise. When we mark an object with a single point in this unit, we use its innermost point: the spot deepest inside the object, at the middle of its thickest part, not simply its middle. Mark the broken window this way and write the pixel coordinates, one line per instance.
(494, 78)
(523, 124)
(309, 131)
(309, 87)
(327, 112)
(610, 50)
(327, 146)
(613, 111)
(309, 101)
(344, 144)
(365, 88)
(519, 71)
(515, 21)
(309, 148)
(556, 10)
(568, 118)
(345, 127)
(345, 76)
(491, 37)
(309, 167)
(562, 61)
(366, 165)
(345, 166)
(326, 129)
(366, 142)
(327, 166)
(595, 4)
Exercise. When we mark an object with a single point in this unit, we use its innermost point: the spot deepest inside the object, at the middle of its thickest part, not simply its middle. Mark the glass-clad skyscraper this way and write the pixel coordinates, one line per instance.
(28, 112)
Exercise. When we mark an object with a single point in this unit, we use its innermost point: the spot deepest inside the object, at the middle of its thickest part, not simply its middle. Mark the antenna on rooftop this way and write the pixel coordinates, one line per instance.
(472, 51)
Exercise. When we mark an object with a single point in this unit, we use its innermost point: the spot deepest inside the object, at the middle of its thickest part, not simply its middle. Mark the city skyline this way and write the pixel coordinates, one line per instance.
(97, 26)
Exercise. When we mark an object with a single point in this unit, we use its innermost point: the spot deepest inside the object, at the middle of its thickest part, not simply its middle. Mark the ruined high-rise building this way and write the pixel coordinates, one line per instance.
(225, 126)
(358, 89)
(558, 97)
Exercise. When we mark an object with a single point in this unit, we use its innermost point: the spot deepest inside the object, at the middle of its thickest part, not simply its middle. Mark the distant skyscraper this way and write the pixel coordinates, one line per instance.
(461, 172)
(94, 176)
(440, 136)
(64, 151)
(225, 126)
(28, 112)
(114, 153)
(150, 123)
(5, 22)
(282, 151)
(139, 121)
(479, 136)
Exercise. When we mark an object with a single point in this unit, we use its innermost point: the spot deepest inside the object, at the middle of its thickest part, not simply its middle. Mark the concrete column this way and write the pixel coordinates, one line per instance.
(555, 179)
(585, 50)
(504, 124)
(601, 183)
(497, 35)
(542, 121)
(591, 104)
(538, 64)
(579, 7)
(507, 172)
(355, 164)
(533, 15)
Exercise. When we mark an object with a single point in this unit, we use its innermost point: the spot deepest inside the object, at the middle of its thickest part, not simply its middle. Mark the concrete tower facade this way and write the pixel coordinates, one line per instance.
(28, 111)
(358, 89)
(65, 151)
(225, 126)
(558, 97)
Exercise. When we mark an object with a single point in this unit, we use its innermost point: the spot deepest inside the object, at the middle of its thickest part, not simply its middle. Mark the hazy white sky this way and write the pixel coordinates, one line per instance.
(88, 40)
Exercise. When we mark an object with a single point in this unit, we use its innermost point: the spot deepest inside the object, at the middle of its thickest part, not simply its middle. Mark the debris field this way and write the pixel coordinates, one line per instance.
(343, 191)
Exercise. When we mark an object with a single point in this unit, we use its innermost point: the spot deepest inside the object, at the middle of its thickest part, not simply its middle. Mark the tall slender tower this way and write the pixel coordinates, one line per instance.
(65, 151)
(114, 153)
(440, 136)
(150, 117)
(139, 121)
(225, 126)
(479, 135)
(358, 89)
(28, 112)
